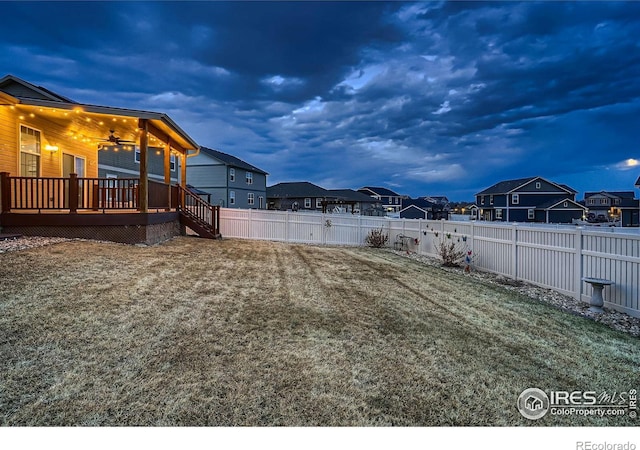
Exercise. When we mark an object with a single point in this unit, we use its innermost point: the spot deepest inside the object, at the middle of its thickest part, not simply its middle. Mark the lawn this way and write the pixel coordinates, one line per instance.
(200, 332)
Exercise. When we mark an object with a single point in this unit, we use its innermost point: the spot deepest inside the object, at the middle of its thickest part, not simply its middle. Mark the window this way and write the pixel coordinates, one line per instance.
(604, 201)
(172, 162)
(515, 199)
(482, 200)
(538, 185)
(249, 178)
(318, 203)
(307, 203)
(261, 202)
(136, 155)
(29, 152)
(498, 213)
(232, 174)
(531, 214)
(491, 199)
(591, 201)
(565, 205)
(232, 197)
(395, 200)
(616, 201)
(250, 198)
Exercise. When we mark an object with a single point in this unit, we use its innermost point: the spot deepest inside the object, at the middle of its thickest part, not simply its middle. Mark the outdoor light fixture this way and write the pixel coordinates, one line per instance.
(51, 148)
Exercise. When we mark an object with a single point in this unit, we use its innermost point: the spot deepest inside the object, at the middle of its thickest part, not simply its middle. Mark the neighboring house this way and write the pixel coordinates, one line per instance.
(232, 182)
(123, 161)
(421, 208)
(391, 201)
(352, 201)
(619, 207)
(532, 199)
(49, 162)
(297, 196)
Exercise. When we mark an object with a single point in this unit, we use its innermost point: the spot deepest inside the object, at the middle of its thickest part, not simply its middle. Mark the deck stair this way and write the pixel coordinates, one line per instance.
(199, 215)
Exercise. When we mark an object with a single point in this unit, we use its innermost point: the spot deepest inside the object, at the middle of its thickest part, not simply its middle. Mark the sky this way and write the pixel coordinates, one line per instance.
(427, 98)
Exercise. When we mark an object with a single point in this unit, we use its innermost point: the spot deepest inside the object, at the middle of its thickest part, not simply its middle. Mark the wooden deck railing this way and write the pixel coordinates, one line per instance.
(74, 193)
(200, 211)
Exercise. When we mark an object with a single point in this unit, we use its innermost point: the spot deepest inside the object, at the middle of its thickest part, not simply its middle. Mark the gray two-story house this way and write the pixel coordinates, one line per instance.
(232, 182)
(122, 160)
(532, 199)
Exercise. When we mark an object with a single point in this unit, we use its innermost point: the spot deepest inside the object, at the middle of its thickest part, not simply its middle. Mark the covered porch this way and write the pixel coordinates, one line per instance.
(49, 158)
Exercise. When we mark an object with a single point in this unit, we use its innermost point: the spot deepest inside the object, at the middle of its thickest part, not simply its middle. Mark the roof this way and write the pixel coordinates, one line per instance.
(231, 160)
(619, 194)
(554, 203)
(380, 191)
(23, 93)
(351, 195)
(298, 189)
(507, 186)
(421, 203)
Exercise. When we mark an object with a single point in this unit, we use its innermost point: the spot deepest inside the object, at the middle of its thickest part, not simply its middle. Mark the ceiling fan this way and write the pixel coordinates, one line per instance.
(113, 139)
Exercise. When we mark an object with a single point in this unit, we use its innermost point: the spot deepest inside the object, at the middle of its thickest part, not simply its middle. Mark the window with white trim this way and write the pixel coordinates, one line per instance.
(498, 213)
(172, 162)
(307, 203)
(482, 200)
(538, 185)
(30, 144)
(491, 199)
(249, 178)
(232, 174)
(565, 205)
(515, 199)
(591, 201)
(232, 197)
(136, 155)
(318, 202)
(250, 198)
(531, 214)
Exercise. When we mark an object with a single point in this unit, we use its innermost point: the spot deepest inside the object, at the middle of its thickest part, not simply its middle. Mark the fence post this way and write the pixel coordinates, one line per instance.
(514, 250)
(5, 192)
(578, 264)
(250, 230)
(73, 192)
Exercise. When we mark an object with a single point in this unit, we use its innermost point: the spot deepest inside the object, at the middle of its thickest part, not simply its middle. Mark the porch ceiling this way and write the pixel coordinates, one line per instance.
(93, 124)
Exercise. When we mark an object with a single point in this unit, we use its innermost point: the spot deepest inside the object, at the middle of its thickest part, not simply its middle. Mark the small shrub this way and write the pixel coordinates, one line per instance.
(451, 253)
(377, 238)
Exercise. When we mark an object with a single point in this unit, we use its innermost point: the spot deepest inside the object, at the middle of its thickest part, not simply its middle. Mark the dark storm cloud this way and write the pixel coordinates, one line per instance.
(426, 98)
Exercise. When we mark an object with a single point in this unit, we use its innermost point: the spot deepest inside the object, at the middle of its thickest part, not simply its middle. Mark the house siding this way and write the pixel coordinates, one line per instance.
(50, 133)
(122, 162)
(207, 177)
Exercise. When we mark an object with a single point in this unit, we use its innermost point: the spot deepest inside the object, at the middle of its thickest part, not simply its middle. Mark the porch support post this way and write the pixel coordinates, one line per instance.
(183, 176)
(5, 192)
(167, 172)
(143, 189)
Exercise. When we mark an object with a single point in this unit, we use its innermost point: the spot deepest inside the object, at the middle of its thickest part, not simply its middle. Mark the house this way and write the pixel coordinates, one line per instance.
(232, 182)
(297, 196)
(391, 201)
(619, 207)
(49, 163)
(354, 201)
(421, 208)
(532, 199)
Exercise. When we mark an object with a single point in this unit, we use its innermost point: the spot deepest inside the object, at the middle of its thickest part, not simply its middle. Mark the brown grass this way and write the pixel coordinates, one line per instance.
(199, 332)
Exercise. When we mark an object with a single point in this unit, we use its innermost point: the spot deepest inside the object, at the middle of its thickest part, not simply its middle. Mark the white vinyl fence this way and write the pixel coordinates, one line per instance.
(551, 257)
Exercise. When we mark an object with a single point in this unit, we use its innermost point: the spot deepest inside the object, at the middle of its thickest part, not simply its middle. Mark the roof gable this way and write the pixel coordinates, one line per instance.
(23, 89)
(380, 191)
(231, 160)
(300, 189)
(526, 185)
(560, 205)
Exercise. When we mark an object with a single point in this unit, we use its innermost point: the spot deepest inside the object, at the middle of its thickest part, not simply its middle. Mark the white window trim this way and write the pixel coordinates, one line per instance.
(531, 214)
(232, 197)
(318, 202)
(307, 203)
(249, 177)
(172, 162)
(491, 199)
(232, 174)
(538, 185)
(20, 151)
(515, 199)
(251, 199)
(136, 155)
(498, 213)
